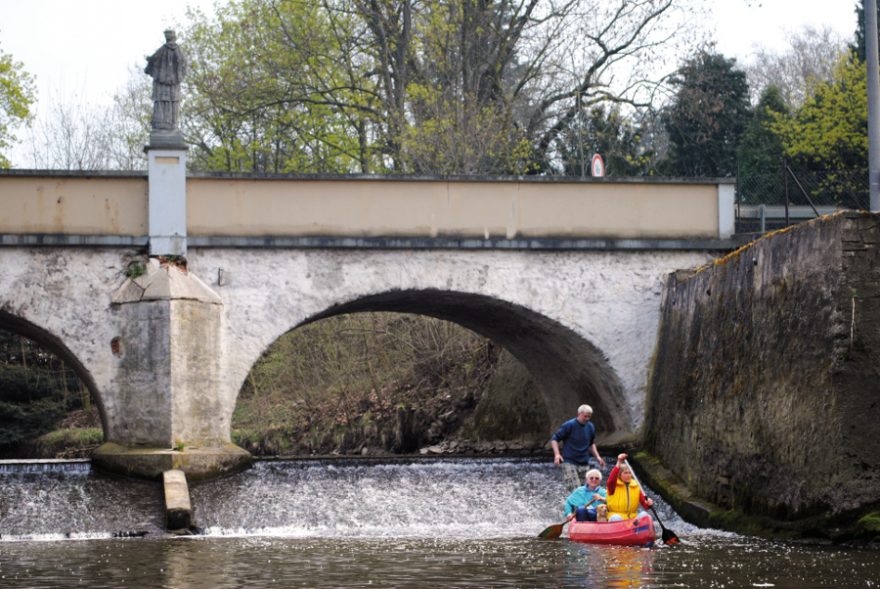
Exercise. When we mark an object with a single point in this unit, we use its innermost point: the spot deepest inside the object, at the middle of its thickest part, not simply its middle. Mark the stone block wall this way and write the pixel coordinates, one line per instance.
(764, 393)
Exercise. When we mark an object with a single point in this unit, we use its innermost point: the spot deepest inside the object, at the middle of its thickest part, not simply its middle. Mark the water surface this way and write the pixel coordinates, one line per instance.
(451, 523)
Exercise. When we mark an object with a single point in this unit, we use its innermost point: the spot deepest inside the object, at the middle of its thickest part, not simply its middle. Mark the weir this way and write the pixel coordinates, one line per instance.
(452, 498)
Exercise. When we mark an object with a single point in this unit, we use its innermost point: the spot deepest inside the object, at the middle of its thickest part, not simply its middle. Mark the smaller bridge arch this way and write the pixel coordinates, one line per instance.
(52, 343)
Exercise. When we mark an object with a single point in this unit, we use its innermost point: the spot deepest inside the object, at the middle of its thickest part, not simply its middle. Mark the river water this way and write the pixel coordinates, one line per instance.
(443, 523)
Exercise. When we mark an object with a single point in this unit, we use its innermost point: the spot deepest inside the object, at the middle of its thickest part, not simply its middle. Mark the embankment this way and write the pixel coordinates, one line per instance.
(764, 397)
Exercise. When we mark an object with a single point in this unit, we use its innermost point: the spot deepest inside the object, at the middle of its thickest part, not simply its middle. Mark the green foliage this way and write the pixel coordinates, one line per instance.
(829, 132)
(871, 522)
(707, 117)
(76, 442)
(462, 136)
(267, 87)
(135, 269)
(430, 87)
(612, 135)
(36, 391)
(858, 47)
(27, 408)
(831, 128)
(760, 152)
(372, 377)
(17, 94)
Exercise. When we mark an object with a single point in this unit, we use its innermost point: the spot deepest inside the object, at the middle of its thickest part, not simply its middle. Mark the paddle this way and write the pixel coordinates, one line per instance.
(552, 532)
(667, 535)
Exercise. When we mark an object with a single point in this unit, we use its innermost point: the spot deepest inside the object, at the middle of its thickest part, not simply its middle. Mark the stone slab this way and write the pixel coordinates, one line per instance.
(178, 508)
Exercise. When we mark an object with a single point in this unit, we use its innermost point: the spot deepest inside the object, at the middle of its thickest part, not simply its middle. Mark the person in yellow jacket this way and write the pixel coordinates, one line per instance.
(624, 494)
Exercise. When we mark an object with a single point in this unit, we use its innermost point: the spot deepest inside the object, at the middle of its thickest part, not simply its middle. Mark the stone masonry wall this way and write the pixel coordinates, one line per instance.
(764, 394)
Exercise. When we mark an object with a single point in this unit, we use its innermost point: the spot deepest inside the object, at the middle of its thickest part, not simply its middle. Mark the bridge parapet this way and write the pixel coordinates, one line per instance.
(519, 209)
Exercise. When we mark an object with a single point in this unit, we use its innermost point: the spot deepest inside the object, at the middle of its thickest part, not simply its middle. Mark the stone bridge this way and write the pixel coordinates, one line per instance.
(161, 290)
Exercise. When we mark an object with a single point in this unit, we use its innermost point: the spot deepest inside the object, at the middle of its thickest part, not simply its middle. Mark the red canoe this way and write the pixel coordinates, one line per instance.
(629, 532)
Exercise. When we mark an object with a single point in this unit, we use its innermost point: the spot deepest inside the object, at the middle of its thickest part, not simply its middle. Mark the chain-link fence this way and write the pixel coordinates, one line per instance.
(774, 200)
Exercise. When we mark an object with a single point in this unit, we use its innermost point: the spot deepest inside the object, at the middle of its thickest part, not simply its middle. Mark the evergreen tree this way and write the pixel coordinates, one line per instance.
(610, 134)
(858, 46)
(707, 117)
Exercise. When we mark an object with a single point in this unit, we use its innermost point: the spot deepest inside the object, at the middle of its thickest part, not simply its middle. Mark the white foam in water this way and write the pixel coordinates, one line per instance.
(467, 498)
(490, 498)
(66, 500)
(450, 498)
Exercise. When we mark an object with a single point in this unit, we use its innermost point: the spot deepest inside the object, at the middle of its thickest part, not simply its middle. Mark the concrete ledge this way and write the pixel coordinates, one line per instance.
(72, 240)
(199, 464)
(390, 242)
(463, 243)
(178, 508)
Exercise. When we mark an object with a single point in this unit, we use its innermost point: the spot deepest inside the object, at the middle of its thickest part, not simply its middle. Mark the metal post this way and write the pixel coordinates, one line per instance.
(785, 180)
(873, 103)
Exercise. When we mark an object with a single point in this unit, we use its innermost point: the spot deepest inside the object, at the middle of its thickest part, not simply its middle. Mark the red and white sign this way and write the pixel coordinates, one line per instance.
(597, 166)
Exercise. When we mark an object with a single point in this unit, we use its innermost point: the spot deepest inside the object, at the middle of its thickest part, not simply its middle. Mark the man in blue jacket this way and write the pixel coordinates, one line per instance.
(578, 437)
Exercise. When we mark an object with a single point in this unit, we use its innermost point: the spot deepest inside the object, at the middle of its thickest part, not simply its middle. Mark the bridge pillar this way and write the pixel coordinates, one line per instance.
(170, 357)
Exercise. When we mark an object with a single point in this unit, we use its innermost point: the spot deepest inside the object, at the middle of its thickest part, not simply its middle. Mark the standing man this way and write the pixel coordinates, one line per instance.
(578, 437)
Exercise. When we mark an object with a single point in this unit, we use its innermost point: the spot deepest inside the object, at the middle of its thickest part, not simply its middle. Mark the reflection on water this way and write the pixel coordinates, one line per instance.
(432, 524)
(260, 562)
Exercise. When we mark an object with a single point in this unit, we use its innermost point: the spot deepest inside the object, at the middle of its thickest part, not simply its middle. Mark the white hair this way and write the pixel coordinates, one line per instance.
(585, 409)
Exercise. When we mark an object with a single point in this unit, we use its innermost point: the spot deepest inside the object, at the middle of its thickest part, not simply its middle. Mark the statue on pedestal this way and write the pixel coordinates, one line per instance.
(167, 66)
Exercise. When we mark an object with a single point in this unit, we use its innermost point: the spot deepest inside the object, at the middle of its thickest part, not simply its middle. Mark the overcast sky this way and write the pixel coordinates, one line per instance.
(84, 49)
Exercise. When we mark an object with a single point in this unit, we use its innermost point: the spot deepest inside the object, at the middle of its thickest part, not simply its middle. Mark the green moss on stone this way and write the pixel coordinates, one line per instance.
(870, 522)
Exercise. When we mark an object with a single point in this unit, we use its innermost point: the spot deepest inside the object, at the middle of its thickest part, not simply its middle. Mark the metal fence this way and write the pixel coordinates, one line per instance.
(771, 201)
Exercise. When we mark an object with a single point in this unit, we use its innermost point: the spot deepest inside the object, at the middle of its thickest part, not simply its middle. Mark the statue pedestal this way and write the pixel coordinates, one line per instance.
(166, 139)
(166, 171)
(167, 412)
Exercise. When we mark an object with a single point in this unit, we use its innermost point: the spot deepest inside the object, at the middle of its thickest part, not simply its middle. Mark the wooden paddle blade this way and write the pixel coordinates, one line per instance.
(552, 532)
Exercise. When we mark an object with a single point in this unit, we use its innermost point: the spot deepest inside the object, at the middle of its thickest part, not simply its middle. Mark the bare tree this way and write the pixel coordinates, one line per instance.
(424, 86)
(538, 63)
(70, 136)
(73, 135)
(810, 59)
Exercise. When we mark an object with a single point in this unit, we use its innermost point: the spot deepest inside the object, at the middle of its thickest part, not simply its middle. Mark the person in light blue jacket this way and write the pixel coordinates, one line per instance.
(582, 502)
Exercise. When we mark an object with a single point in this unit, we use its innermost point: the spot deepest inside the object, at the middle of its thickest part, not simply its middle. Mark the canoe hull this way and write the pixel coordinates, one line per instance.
(630, 532)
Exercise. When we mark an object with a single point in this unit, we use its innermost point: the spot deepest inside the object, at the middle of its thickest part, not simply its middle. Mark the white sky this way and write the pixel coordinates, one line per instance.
(84, 49)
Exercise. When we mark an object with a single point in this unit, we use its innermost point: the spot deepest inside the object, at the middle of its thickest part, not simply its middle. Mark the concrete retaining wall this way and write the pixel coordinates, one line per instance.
(764, 395)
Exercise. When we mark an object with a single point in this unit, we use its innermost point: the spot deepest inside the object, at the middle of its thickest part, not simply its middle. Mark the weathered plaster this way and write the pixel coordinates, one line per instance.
(583, 321)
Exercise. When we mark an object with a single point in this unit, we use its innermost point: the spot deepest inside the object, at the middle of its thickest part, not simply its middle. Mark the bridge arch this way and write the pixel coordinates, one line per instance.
(53, 344)
(567, 369)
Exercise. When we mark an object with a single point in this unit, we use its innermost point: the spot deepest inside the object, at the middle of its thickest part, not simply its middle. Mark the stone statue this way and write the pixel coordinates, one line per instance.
(167, 66)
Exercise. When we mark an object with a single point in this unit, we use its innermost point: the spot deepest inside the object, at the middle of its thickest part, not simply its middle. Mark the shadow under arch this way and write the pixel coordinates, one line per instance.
(53, 344)
(567, 369)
